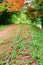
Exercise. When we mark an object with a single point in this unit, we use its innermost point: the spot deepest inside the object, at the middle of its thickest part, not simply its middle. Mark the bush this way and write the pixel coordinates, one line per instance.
(9, 11)
(4, 17)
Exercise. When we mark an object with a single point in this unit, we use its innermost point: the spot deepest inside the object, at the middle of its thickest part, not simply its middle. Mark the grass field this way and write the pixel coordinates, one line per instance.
(23, 46)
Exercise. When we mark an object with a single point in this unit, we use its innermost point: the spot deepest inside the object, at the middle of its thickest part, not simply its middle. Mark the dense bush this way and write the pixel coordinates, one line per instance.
(35, 11)
(9, 11)
(4, 16)
(14, 17)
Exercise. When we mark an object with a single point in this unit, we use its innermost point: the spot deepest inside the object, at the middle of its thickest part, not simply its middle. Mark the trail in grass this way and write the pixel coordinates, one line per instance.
(7, 31)
(17, 46)
(8, 43)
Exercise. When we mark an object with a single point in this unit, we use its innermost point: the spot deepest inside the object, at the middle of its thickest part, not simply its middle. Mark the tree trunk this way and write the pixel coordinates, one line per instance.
(42, 21)
(42, 24)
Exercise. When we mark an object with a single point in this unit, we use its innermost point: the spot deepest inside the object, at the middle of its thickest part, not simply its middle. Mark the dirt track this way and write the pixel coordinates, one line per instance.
(6, 31)
(5, 47)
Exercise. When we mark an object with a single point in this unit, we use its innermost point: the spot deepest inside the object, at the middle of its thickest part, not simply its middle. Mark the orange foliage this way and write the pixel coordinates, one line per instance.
(14, 5)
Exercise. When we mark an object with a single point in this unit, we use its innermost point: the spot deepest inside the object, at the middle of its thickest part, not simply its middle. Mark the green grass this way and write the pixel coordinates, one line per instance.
(2, 27)
(34, 46)
(1, 52)
(1, 42)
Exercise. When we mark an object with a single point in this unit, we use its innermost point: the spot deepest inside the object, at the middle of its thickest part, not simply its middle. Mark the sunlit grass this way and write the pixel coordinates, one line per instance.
(2, 27)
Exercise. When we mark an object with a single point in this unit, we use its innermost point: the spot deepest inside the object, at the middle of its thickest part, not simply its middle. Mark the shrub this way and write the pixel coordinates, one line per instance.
(9, 11)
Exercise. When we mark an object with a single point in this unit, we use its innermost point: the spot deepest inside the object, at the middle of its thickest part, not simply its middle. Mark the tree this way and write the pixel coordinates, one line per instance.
(8, 8)
(31, 14)
(13, 5)
(38, 4)
(1, 1)
(41, 11)
(35, 10)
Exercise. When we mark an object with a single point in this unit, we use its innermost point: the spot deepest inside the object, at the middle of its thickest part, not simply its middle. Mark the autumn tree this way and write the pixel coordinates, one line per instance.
(8, 8)
(13, 5)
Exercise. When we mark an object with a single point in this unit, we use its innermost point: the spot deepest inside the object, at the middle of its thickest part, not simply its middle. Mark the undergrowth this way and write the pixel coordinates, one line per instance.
(34, 46)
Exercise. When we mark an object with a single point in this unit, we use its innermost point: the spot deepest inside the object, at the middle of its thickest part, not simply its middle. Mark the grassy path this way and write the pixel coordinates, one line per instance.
(22, 45)
(7, 31)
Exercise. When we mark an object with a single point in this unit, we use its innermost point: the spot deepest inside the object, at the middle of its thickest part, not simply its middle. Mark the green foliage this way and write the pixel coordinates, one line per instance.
(14, 54)
(36, 46)
(1, 1)
(13, 18)
(4, 17)
(18, 17)
(2, 8)
(1, 52)
(1, 42)
(23, 18)
(19, 45)
(33, 13)
(2, 27)
(21, 53)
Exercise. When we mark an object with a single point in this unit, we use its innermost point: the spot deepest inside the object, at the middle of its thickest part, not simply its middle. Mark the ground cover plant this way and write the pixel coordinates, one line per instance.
(29, 45)
(2, 27)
